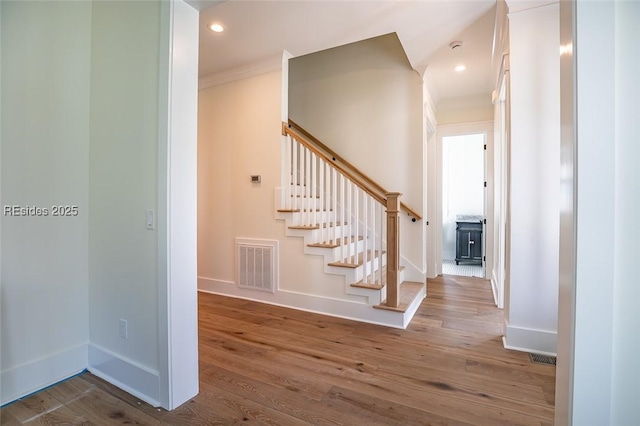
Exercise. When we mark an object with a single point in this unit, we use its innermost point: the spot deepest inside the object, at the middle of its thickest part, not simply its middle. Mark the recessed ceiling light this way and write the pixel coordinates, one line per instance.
(460, 68)
(216, 28)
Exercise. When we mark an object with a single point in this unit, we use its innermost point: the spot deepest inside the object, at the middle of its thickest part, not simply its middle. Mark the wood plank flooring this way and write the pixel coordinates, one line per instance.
(262, 364)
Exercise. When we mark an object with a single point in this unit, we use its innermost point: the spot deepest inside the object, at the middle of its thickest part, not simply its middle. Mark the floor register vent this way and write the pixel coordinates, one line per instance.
(542, 359)
(257, 264)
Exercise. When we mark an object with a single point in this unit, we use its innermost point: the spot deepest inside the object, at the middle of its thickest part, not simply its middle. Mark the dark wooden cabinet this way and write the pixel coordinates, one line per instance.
(469, 242)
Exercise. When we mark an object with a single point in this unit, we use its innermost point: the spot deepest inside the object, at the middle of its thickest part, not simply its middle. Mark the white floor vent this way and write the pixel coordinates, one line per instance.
(257, 263)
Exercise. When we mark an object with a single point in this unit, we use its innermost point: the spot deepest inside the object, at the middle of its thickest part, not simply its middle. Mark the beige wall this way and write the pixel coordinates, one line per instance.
(466, 115)
(465, 110)
(239, 135)
(364, 101)
(239, 128)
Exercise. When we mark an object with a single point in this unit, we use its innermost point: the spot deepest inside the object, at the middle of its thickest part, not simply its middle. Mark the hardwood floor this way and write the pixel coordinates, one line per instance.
(262, 364)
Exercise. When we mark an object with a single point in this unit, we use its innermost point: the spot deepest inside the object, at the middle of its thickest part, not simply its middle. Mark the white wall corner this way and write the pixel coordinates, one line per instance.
(429, 107)
(284, 107)
(33, 376)
(530, 340)
(494, 288)
(178, 378)
(516, 6)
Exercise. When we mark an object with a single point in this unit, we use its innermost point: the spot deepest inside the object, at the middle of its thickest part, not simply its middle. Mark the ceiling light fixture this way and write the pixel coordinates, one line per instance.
(460, 68)
(216, 28)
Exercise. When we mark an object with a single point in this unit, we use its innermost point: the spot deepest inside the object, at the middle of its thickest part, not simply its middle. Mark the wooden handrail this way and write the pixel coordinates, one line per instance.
(362, 180)
(286, 130)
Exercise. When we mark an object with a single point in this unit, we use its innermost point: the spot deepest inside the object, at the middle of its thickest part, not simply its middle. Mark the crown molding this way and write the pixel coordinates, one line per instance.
(272, 63)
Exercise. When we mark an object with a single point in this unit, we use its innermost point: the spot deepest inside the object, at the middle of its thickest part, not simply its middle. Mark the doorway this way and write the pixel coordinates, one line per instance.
(463, 204)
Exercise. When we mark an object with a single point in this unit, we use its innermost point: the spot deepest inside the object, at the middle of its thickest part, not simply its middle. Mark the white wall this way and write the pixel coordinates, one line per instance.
(364, 101)
(595, 199)
(534, 198)
(44, 155)
(80, 115)
(597, 378)
(626, 291)
(123, 255)
(499, 161)
(497, 173)
(431, 183)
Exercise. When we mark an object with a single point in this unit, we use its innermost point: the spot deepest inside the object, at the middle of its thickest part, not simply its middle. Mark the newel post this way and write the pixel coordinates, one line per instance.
(393, 248)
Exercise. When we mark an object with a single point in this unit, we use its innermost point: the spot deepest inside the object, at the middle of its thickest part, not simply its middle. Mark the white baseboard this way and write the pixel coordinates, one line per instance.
(307, 302)
(128, 375)
(412, 272)
(529, 340)
(36, 375)
(413, 308)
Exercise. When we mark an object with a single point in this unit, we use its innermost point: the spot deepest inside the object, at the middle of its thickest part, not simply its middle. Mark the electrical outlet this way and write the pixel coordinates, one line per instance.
(124, 333)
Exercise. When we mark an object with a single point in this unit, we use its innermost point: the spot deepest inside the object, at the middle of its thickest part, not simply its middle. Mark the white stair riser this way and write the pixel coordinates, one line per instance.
(352, 275)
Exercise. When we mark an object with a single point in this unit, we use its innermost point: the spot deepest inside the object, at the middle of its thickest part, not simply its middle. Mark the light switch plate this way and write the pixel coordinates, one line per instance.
(151, 219)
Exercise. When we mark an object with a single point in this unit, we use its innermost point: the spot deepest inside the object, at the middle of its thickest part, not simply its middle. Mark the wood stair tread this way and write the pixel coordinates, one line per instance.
(302, 210)
(367, 286)
(316, 226)
(376, 285)
(347, 264)
(409, 290)
(330, 244)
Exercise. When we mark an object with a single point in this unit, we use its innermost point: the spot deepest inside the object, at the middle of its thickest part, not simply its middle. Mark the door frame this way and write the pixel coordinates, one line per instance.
(434, 192)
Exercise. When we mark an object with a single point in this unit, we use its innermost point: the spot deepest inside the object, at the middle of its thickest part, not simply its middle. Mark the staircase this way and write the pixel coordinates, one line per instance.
(350, 220)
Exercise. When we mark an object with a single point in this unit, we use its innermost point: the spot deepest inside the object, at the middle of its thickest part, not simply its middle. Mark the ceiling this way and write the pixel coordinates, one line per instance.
(258, 31)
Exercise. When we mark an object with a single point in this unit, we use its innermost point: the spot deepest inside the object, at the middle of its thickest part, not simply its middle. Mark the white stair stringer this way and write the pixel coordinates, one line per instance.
(333, 254)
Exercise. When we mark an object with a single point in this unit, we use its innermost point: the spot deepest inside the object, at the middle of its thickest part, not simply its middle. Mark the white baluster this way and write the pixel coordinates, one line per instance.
(314, 189)
(349, 221)
(283, 171)
(365, 232)
(307, 186)
(342, 218)
(373, 236)
(356, 219)
(334, 195)
(321, 201)
(327, 200)
(383, 229)
(294, 172)
(288, 170)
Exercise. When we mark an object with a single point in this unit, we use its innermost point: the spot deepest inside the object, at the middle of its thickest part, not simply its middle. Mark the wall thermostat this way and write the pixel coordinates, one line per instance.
(256, 179)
